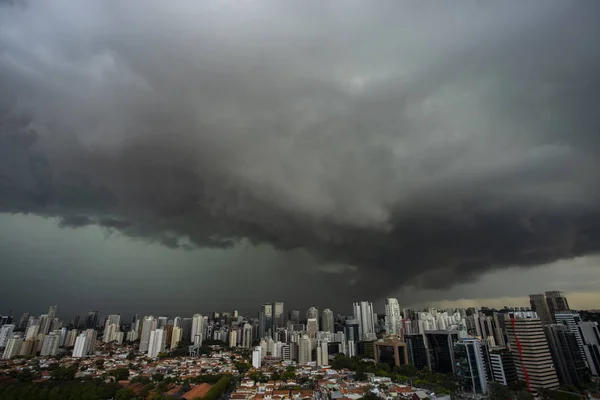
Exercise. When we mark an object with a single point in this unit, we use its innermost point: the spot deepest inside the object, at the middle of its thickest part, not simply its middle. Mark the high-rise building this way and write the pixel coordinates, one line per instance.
(197, 329)
(71, 338)
(265, 321)
(473, 367)
(590, 336)
(327, 320)
(312, 313)
(393, 317)
(278, 316)
(91, 335)
(571, 320)
(391, 351)
(6, 332)
(295, 317)
(111, 327)
(81, 348)
(304, 350)
(45, 323)
(50, 344)
(540, 306)
(23, 321)
(312, 327)
(91, 320)
(322, 353)
(176, 337)
(186, 326)
(503, 367)
(567, 356)
(157, 342)
(530, 351)
(557, 302)
(13, 348)
(417, 348)
(363, 312)
(257, 357)
(148, 325)
(233, 338)
(441, 347)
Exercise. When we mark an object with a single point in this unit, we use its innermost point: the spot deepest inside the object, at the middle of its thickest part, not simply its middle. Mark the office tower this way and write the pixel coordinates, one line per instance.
(265, 320)
(91, 321)
(393, 318)
(44, 324)
(540, 306)
(312, 327)
(530, 351)
(81, 348)
(176, 337)
(557, 302)
(327, 320)
(6, 332)
(567, 356)
(363, 312)
(322, 354)
(503, 368)
(590, 335)
(247, 336)
(312, 313)
(198, 329)
(295, 317)
(391, 351)
(278, 316)
(23, 321)
(157, 342)
(148, 325)
(186, 326)
(13, 348)
(571, 320)
(473, 367)
(50, 344)
(352, 330)
(441, 345)
(304, 350)
(417, 350)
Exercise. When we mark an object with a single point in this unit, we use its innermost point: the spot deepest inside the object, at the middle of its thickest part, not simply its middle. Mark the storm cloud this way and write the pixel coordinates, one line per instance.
(418, 143)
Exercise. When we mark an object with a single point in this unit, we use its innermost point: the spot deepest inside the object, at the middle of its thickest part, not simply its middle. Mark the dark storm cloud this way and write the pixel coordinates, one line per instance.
(418, 142)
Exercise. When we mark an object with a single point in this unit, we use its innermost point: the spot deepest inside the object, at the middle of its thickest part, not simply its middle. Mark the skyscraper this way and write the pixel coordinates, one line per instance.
(540, 306)
(567, 356)
(91, 320)
(6, 332)
(111, 327)
(327, 320)
(312, 313)
(393, 317)
(13, 348)
(81, 345)
(571, 320)
(304, 350)
(295, 317)
(265, 320)
(157, 342)
(148, 325)
(473, 367)
(197, 329)
(50, 345)
(557, 302)
(530, 351)
(363, 312)
(247, 336)
(278, 315)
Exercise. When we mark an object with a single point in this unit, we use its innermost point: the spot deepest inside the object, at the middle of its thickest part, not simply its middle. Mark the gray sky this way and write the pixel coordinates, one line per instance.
(201, 155)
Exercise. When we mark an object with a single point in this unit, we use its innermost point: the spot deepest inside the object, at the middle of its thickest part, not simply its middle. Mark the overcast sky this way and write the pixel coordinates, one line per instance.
(161, 157)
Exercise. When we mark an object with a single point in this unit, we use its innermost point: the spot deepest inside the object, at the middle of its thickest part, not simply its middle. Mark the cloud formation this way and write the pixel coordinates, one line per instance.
(416, 142)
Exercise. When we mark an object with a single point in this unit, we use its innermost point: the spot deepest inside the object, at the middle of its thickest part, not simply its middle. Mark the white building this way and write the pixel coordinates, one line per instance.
(6, 332)
(71, 338)
(148, 325)
(197, 329)
(32, 331)
(158, 338)
(393, 317)
(111, 327)
(322, 354)
(81, 345)
(363, 312)
(91, 335)
(256, 357)
(304, 350)
(247, 336)
(13, 348)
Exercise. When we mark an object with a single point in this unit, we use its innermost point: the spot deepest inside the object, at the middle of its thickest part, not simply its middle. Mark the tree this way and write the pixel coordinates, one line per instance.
(120, 374)
(158, 377)
(499, 392)
(131, 356)
(125, 394)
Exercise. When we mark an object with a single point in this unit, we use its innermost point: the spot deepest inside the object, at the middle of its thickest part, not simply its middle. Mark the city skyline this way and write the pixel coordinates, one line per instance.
(210, 154)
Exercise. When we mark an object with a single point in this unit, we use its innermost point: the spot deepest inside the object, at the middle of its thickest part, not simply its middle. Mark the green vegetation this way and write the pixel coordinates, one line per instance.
(219, 388)
(86, 390)
(120, 374)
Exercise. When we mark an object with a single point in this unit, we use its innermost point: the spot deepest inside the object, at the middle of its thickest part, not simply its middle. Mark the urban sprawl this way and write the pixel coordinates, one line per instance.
(544, 350)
